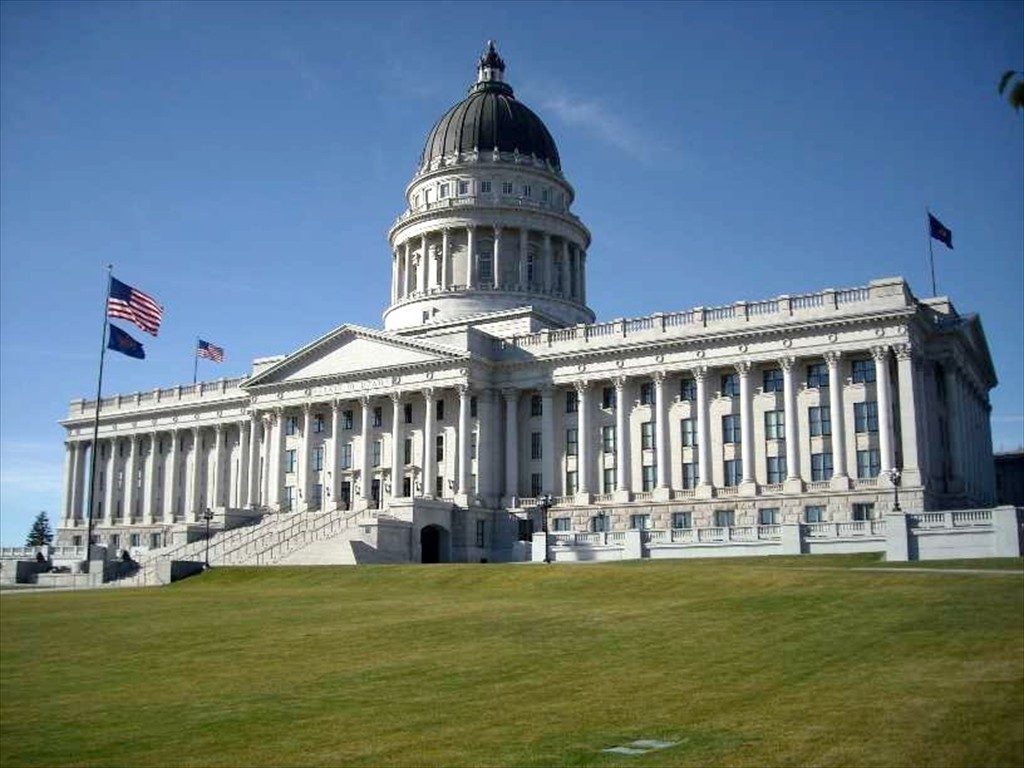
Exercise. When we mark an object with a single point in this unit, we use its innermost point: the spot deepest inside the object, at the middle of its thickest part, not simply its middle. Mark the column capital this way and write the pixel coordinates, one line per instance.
(700, 372)
(832, 357)
(742, 367)
(880, 352)
(428, 394)
(307, 408)
(219, 428)
(904, 351)
(510, 393)
(582, 385)
(364, 401)
(658, 376)
(462, 389)
(619, 382)
(787, 363)
(396, 397)
(546, 390)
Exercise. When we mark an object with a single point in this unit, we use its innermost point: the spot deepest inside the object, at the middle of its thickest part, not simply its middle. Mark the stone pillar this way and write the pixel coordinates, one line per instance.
(953, 408)
(511, 445)
(911, 471)
(564, 267)
(252, 493)
(445, 255)
(217, 481)
(304, 472)
(549, 266)
(582, 260)
(149, 513)
(747, 484)
(407, 285)
(497, 257)
(881, 355)
(622, 473)
(130, 492)
(837, 412)
(396, 441)
(172, 478)
(487, 452)
(463, 487)
(471, 268)
(793, 483)
(70, 450)
(662, 469)
(365, 479)
(195, 502)
(394, 275)
(335, 489)
(524, 248)
(78, 481)
(111, 488)
(278, 478)
(429, 460)
(705, 485)
(424, 264)
(583, 442)
(549, 457)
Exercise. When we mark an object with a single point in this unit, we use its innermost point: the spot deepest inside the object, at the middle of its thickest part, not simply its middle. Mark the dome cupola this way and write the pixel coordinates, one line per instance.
(488, 225)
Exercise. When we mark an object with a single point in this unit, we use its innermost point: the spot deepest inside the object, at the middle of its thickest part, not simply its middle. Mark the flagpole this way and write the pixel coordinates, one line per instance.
(96, 420)
(931, 253)
(195, 361)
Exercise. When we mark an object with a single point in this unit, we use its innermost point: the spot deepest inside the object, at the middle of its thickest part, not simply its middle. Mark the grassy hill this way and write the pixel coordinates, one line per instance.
(777, 661)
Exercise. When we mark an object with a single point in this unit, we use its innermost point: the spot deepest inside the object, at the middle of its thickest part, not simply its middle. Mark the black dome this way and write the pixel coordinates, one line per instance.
(490, 117)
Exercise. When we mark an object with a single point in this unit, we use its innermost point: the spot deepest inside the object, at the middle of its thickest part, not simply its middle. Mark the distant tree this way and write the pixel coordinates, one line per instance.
(1016, 93)
(40, 533)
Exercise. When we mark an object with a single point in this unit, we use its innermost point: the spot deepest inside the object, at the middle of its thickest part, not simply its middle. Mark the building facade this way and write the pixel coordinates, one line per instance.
(491, 385)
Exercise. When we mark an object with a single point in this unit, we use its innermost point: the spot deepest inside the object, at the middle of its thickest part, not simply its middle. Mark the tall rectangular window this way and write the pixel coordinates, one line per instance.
(733, 471)
(570, 401)
(863, 511)
(600, 523)
(725, 518)
(768, 516)
(608, 438)
(862, 371)
(648, 477)
(289, 496)
(535, 445)
(682, 520)
(378, 417)
(318, 458)
(463, 187)
(346, 456)
(527, 190)
(868, 463)
(814, 513)
(570, 483)
(640, 522)
(688, 389)
(442, 191)
(291, 425)
(289, 461)
(817, 376)
(318, 423)
(776, 466)
(730, 385)
(376, 453)
(689, 432)
(865, 416)
(820, 419)
(318, 493)
(407, 451)
(536, 405)
(775, 425)
(472, 445)
(472, 407)
(690, 475)
(647, 436)
(407, 412)
(821, 466)
(731, 428)
(571, 445)
(481, 532)
(608, 480)
(647, 393)
(561, 524)
(772, 380)
(536, 484)
(439, 407)
(485, 187)
(506, 187)
(346, 419)
(439, 448)
(608, 398)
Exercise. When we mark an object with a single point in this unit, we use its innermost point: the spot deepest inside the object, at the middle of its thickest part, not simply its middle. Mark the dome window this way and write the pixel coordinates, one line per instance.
(442, 191)
(485, 187)
(463, 187)
(527, 191)
(544, 194)
(506, 187)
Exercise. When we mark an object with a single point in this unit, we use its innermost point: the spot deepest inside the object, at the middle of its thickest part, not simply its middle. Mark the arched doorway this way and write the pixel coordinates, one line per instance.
(434, 544)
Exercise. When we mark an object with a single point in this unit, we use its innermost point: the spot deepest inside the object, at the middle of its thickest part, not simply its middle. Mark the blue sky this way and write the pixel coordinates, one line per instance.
(243, 161)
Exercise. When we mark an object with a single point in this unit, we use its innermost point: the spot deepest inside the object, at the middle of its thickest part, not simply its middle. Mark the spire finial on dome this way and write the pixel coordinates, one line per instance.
(491, 67)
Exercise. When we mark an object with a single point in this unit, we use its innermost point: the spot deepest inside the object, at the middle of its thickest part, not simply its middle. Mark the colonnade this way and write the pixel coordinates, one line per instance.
(421, 265)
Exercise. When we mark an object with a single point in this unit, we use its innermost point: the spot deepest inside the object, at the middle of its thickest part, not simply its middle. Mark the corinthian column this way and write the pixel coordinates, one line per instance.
(217, 481)
(471, 270)
(837, 414)
(252, 494)
(908, 414)
(172, 478)
(704, 487)
(511, 444)
(424, 265)
(336, 454)
(149, 484)
(793, 482)
(429, 463)
(497, 257)
(548, 264)
(364, 461)
(549, 459)
(445, 255)
(622, 473)
(70, 451)
(524, 247)
(583, 442)
(747, 484)
(662, 490)
(881, 356)
(305, 472)
(396, 440)
(463, 487)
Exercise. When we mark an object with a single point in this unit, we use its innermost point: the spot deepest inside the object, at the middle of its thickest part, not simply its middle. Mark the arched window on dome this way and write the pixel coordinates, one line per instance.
(559, 272)
(532, 266)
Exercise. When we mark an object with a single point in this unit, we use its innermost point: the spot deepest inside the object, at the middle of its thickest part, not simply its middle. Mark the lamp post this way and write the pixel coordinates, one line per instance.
(894, 476)
(544, 504)
(207, 516)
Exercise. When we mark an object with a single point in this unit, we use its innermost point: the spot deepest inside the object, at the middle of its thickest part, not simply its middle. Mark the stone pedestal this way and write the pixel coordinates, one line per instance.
(839, 483)
(704, 491)
(661, 494)
(747, 488)
(622, 497)
(793, 485)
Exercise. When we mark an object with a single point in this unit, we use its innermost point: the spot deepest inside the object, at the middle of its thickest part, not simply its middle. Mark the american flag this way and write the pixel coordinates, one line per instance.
(210, 351)
(135, 306)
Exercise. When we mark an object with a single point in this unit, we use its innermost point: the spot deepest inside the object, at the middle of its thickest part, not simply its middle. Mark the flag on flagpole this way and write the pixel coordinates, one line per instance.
(120, 341)
(135, 306)
(210, 351)
(940, 231)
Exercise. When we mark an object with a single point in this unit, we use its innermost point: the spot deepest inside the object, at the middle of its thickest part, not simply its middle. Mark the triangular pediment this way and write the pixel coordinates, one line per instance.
(353, 350)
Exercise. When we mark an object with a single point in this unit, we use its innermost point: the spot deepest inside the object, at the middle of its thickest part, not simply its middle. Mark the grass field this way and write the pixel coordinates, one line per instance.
(773, 661)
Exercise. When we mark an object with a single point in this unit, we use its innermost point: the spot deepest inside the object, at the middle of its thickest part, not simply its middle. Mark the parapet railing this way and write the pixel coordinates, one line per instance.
(203, 390)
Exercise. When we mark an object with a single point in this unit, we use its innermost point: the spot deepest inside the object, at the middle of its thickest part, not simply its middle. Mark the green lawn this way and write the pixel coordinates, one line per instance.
(743, 662)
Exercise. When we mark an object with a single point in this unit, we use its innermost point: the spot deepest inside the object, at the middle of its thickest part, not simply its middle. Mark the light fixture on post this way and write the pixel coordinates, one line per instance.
(544, 503)
(894, 476)
(207, 516)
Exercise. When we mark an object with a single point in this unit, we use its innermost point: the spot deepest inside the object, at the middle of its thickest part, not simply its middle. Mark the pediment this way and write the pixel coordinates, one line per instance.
(352, 350)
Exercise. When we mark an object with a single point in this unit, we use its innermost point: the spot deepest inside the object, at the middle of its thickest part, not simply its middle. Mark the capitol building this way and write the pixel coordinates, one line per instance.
(491, 385)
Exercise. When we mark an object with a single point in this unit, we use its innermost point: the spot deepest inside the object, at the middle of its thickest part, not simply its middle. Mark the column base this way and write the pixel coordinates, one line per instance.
(661, 494)
(910, 477)
(462, 499)
(582, 498)
(839, 483)
(704, 491)
(793, 485)
(747, 488)
(622, 497)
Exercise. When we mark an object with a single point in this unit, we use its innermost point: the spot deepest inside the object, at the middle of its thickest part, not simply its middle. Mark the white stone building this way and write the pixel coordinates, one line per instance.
(491, 385)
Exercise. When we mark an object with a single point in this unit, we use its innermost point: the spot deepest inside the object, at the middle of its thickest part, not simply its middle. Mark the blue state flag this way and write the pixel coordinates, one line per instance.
(120, 341)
